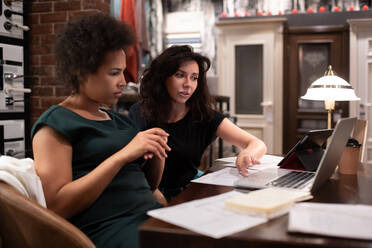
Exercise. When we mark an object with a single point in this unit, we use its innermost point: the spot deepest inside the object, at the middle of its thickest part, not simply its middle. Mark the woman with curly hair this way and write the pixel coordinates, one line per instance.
(96, 168)
(174, 96)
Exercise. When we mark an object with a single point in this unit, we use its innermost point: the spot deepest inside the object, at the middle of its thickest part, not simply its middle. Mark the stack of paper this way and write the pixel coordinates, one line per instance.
(268, 203)
(267, 161)
(338, 220)
(207, 216)
(230, 174)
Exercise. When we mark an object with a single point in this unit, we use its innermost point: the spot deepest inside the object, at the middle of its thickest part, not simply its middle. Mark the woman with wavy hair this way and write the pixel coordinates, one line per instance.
(174, 96)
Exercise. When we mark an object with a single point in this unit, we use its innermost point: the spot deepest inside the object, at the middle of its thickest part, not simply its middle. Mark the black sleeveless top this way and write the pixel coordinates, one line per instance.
(188, 140)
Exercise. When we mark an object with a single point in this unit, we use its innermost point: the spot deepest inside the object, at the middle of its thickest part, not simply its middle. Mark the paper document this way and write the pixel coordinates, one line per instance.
(207, 216)
(224, 177)
(267, 161)
(228, 175)
(227, 160)
(338, 220)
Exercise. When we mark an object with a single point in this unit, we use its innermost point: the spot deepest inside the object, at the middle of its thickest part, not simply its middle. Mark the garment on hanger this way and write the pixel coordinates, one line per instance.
(143, 34)
(155, 9)
(127, 15)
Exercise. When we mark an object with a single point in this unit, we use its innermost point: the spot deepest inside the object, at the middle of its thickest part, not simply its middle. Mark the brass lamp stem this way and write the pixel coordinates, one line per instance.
(329, 72)
(329, 105)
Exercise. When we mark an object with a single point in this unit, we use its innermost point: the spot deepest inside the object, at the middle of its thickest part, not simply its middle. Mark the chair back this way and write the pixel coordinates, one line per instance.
(24, 223)
(360, 134)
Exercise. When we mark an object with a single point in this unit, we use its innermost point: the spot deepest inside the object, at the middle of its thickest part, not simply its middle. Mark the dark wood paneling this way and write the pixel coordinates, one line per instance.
(294, 37)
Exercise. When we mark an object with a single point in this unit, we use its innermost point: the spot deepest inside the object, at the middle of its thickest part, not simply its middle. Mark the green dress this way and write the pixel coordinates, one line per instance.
(113, 219)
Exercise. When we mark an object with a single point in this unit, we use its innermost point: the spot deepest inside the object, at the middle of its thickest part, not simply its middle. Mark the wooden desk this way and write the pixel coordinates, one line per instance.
(340, 189)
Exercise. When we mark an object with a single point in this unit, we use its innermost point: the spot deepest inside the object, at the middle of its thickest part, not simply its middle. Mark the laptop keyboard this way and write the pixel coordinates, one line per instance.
(293, 179)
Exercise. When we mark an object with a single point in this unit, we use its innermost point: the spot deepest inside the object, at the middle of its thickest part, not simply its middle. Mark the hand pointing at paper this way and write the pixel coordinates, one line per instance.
(253, 148)
(245, 160)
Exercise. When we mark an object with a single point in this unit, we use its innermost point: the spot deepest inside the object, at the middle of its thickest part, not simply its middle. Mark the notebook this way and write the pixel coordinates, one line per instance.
(304, 180)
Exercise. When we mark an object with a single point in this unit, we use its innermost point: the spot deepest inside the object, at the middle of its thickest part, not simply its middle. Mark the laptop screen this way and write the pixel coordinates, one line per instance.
(308, 151)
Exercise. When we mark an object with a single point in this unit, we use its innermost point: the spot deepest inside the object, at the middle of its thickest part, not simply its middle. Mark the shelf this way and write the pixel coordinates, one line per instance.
(304, 19)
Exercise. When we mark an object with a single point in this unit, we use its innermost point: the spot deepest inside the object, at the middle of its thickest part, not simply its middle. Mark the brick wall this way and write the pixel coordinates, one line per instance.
(46, 18)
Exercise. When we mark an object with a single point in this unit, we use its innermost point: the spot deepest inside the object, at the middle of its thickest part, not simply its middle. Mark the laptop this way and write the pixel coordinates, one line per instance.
(308, 151)
(304, 180)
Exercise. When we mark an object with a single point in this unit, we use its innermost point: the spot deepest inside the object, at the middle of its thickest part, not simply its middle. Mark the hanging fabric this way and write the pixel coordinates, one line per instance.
(143, 33)
(128, 15)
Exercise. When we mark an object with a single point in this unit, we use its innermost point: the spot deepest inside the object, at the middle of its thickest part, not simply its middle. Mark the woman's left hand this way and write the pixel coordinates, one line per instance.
(149, 155)
(244, 160)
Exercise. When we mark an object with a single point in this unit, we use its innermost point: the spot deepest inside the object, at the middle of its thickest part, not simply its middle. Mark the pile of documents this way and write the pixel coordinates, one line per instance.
(208, 216)
(211, 216)
(231, 212)
(214, 217)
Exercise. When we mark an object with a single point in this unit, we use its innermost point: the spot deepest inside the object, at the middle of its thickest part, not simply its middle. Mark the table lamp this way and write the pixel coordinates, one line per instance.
(330, 88)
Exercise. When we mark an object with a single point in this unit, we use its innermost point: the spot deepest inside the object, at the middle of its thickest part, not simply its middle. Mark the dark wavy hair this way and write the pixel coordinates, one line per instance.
(81, 47)
(154, 96)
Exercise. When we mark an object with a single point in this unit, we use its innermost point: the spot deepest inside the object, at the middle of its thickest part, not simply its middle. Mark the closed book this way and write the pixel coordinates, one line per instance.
(268, 203)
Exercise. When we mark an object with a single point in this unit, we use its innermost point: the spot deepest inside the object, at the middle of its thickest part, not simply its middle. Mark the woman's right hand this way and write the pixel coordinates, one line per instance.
(148, 143)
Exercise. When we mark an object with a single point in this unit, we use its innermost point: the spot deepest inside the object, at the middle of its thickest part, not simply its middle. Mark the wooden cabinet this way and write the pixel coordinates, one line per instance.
(361, 77)
(250, 72)
(307, 53)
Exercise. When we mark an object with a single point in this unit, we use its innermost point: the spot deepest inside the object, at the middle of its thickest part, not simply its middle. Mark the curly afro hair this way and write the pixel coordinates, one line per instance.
(81, 47)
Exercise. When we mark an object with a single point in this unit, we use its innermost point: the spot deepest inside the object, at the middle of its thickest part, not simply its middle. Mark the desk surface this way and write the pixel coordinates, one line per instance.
(339, 189)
